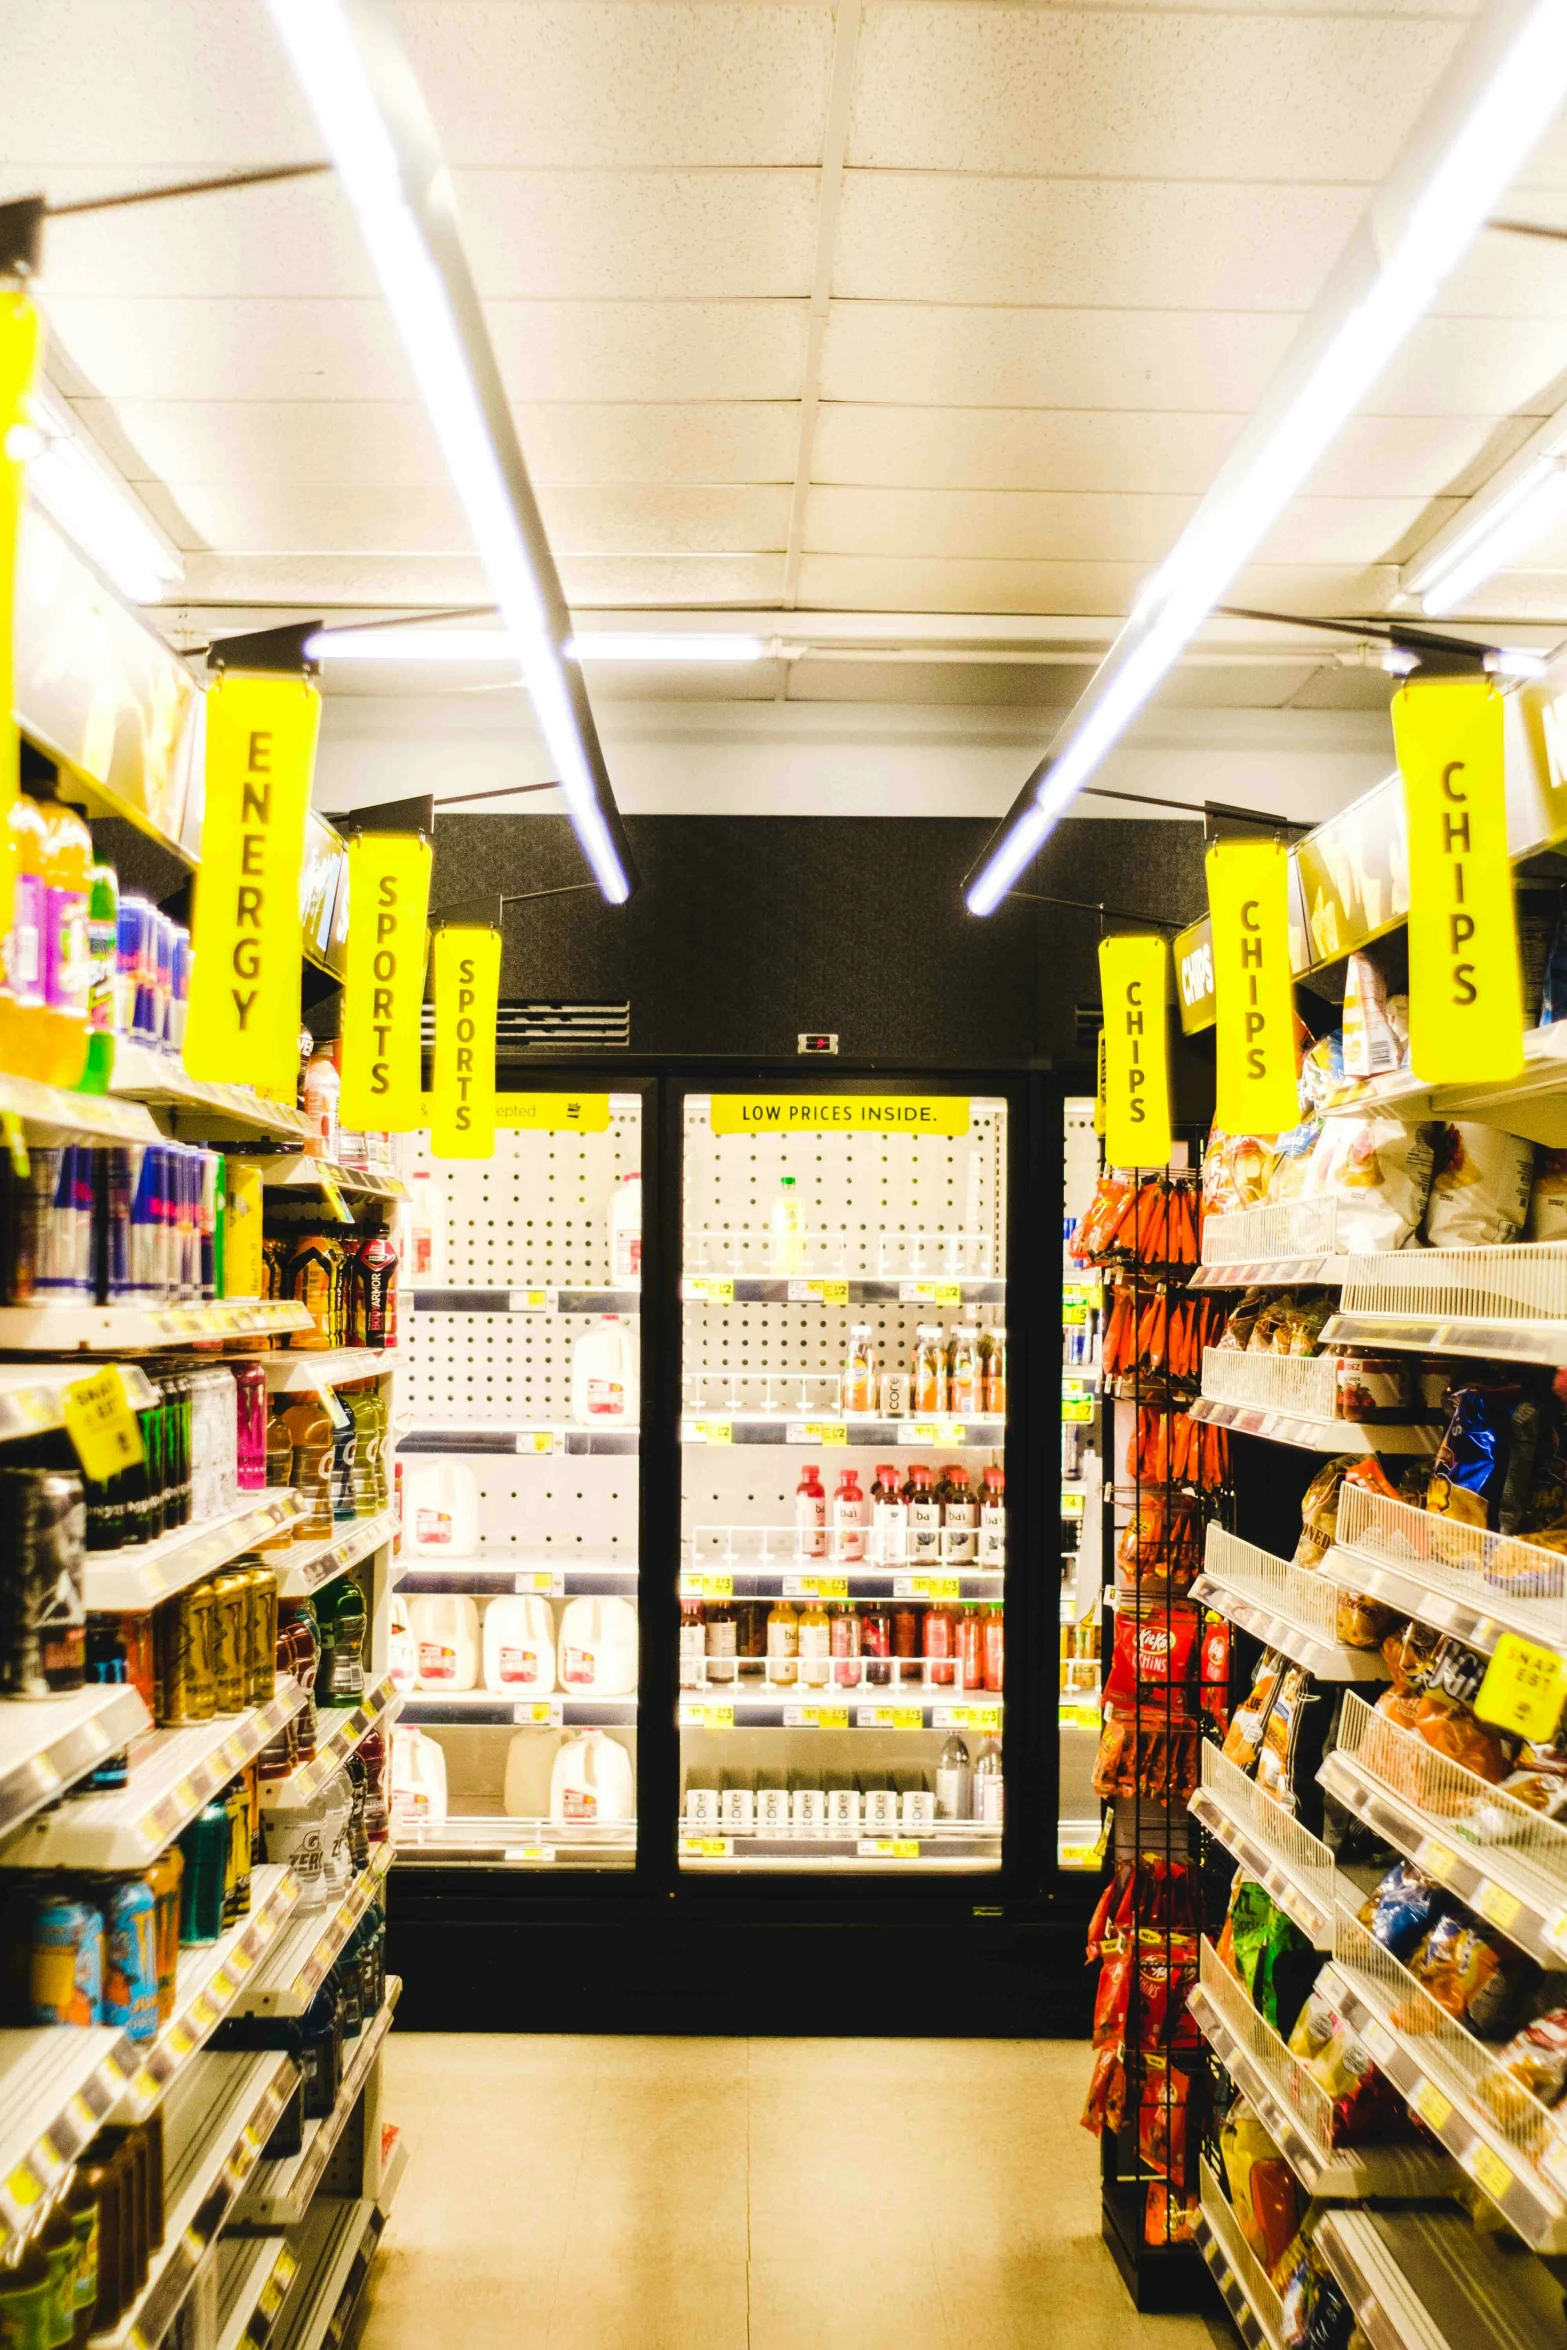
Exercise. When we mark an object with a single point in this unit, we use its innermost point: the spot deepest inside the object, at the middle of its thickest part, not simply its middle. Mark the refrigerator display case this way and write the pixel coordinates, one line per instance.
(515, 1629)
(843, 1538)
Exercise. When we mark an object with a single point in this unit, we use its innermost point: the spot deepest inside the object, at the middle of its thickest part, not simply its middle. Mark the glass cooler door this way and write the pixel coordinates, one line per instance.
(843, 1550)
(515, 1610)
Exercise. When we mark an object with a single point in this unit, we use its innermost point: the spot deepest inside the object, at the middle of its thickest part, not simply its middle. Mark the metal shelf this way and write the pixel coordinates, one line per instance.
(1288, 1608)
(1458, 1578)
(48, 1744)
(302, 1172)
(114, 1330)
(142, 1075)
(472, 1575)
(50, 1114)
(829, 1432)
(1238, 2273)
(297, 1964)
(540, 1437)
(254, 2277)
(30, 1396)
(856, 1709)
(1292, 1866)
(173, 1774)
(305, 1566)
(526, 1301)
(856, 1582)
(56, 2087)
(297, 1371)
(491, 1709)
(334, 2245)
(207, 1988)
(279, 2193)
(216, 2123)
(1432, 2280)
(127, 1582)
(339, 1729)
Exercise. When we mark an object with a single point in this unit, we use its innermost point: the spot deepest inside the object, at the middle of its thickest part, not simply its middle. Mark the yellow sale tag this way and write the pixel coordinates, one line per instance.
(1432, 2107)
(1489, 2171)
(1524, 1689)
(101, 1424)
(16, 1144)
(1134, 982)
(554, 1113)
(831, 1113)
(1254, 1000)
(388, 884)
(1465, 995)
(467, 959)
(335, 1201)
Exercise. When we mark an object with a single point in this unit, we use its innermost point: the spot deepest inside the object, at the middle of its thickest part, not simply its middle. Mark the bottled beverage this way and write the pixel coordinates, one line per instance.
(907, 1644)
(938, 1643)
(876, 1643)
(24, 1029)
(889, 1519)
(723, 1647)
(992, 1550)
(788, 1223)
(850, 1509)
(67, 973)
(783, 1645)
(988, 1794)
(994, 1649)
(323, 1092)
(928, 1380)
(924, 1517)
(970, 1649)
(815, 1633)
(693, 1644)
(859, 1373)
(625, 1233)
(844, 1634)
(959, 1516)
(954, 1781)
(103, 926)
(810, 1514)
(993, 1371)
(963, 1369)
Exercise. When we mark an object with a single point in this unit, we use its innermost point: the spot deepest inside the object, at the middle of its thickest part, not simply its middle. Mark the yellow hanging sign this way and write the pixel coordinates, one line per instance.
(1254, 1001)
(388, 883)
(1134, 982)
(467, 990)
(20, 339)
(243, 1022)
(1465, 995)
(840, 1113)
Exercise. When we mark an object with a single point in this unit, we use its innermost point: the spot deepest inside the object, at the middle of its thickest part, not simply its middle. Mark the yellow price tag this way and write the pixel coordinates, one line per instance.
(16, 1143)
(1524, 1689)
(101, 1425)
(336, 1204)
(1431, 2105)
(1489, 2171)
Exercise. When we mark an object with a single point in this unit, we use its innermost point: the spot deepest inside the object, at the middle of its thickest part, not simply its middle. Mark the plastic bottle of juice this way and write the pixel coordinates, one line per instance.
(23, 1012)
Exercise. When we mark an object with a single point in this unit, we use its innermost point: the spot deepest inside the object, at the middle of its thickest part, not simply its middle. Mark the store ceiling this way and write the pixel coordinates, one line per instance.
(925, 309)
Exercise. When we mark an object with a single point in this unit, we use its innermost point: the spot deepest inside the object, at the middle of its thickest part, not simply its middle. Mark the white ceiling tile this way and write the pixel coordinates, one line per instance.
(514, 84)
(1085, 93)
(591, 235)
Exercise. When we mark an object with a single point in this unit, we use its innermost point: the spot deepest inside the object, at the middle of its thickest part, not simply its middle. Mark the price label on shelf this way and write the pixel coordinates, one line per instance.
(708, 1289)
(548, 1580)
(888, 1848)
(824, 1432)
(1432, 2107)
(530, 1301)
(707, 1586)
(706, 1847)
(697, 1716)
(710, 1432)
(101, 1424)
(1496, 1903)
(540, 1713)
(1488, 2170)
(537, 1439)
(1524, 1689)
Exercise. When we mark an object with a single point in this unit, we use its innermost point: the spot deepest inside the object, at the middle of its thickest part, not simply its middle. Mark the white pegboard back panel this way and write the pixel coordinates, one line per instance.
(538, 1211)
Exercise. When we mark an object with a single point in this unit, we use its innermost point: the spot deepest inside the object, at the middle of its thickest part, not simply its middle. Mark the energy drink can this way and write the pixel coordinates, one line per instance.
(130, 1982)
(67, 1965)
(231, 1645)
(43, 1626)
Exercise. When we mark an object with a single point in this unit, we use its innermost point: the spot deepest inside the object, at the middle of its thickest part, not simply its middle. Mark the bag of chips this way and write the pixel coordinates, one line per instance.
(1480, 1187)
(1379, 1172)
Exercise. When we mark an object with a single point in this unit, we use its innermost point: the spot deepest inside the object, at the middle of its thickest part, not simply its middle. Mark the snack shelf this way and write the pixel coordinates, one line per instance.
(1332, 1436)
(173, 1775)
(1533, 1104)
(1238, 2273)
(722, 1289)
(46, 1747)
(57, 2086)
(304, 1566)
(255, 2274)
(961, 1849)
(1456, 1577)
(539, 1436)
(857, 1582)
(773, 1709)
(503, 1840)
(217, 2121)
(296, 1372)
(577, 1581)
(1508, 1863)
(111, 1330)
(490, 1708)
(1288, 1608)
(127, 1582)
(297, 1963)
(50, 1114)
(207, 1988)
(1434, 2281)
(334, 2246)
(1515, 2151)
(339, 1729)
(526, 1301)
(1295, 2109)
(143, 1075)
(302, 1172)
(829, 1432)
(31, 1395)
(278, 2194)
(1292, 1866)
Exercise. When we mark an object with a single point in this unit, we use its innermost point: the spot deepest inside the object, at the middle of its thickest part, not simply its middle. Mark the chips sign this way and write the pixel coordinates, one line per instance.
(1254, 1001)
(242, 1027)
(840, 1113)
(467, 988)
(1465, 993)
(1134, 982)
(388, 884)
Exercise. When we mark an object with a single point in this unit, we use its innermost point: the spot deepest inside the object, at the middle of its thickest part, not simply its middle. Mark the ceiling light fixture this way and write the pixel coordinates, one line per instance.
(350, 63)
(1498, 96)
(98, 513)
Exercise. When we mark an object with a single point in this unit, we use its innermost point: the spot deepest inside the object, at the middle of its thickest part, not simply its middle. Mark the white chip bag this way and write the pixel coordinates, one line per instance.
(1379, 1171)
(1480, 1191)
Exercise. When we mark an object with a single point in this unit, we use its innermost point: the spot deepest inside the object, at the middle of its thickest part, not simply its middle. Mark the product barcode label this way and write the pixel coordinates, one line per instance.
(539, 1713)
(531, 1301)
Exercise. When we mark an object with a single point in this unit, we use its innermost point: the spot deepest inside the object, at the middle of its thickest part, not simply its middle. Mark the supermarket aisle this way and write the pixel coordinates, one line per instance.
(641, 2194)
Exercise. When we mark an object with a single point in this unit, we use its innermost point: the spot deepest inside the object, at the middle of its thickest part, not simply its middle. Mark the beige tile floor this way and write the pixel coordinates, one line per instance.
(668, 2194)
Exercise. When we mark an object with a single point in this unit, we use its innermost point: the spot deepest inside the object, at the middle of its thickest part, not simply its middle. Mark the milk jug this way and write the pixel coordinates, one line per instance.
(418, 1782)
(440, 1507)
(519, 1646)
(598, 1646)
(591, 1782)
(604, 1386)
(445, 1626)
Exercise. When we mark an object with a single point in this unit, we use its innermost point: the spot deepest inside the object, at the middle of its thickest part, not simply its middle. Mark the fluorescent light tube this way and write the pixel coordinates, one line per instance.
(1499, 95)
(495, 644)
(97, 512)
(349, 60)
